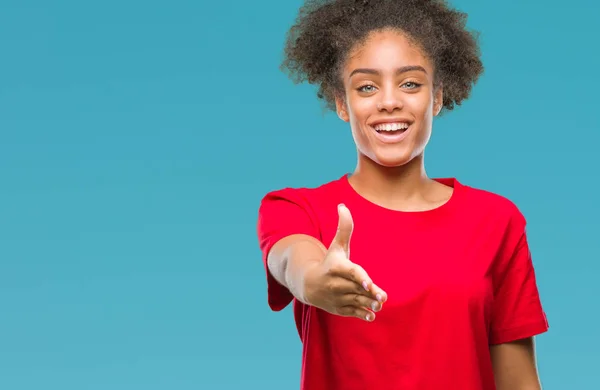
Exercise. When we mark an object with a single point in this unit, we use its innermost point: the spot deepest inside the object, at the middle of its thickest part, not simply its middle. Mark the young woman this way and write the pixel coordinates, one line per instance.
(399, 281)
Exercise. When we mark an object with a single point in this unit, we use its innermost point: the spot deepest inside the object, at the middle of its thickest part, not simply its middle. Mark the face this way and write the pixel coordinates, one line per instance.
(389, 99)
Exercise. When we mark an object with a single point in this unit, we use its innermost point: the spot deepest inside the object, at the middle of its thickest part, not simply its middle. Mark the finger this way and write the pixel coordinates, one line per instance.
(358, 275)
(359, 300)
(358, 312)
(341, 286)
(378, 292)
(344, 230)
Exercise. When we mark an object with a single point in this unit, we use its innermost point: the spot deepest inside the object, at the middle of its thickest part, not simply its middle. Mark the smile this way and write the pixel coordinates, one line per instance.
(391, 126)
(390, 133)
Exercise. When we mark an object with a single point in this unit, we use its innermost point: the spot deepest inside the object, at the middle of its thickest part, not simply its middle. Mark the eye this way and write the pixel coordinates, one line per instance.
(366, 88)
(411, 85)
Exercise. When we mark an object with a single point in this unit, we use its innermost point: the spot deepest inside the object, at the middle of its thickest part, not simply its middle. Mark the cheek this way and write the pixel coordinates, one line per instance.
(419, 104)
(360, 110)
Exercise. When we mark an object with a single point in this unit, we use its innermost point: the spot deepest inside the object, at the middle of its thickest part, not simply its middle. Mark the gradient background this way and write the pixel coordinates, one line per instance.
(138, 137)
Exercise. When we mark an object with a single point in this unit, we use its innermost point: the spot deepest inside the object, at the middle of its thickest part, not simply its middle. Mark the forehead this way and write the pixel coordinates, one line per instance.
(386, 49)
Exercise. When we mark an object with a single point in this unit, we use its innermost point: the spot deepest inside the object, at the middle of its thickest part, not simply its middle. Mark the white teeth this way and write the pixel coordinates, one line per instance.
(391, 126)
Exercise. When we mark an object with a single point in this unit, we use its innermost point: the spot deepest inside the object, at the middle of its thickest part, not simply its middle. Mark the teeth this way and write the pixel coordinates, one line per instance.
(391, 126)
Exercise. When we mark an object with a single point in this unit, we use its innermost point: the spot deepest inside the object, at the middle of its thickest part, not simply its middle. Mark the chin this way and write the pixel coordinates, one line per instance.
(392, 164)
(392, 158)
(392, 161)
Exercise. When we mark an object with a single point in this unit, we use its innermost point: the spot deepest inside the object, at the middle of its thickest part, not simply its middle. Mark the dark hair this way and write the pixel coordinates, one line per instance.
(325, 31)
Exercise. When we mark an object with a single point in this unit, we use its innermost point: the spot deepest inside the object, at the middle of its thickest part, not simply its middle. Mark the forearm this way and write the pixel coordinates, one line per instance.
(291, 258)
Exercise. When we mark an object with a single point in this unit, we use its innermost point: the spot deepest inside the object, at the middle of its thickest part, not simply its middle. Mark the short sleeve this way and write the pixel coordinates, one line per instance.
(282, 213)
(517, 309)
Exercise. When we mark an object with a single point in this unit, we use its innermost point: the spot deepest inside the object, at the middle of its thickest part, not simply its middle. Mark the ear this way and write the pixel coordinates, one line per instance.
(438, 100)
(341, 108)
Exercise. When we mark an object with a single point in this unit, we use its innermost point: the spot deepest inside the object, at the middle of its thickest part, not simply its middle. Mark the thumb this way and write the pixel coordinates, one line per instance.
(344, 230)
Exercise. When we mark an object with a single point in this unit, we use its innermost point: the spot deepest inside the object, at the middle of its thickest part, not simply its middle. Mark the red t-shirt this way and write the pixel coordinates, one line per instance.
(459, 278)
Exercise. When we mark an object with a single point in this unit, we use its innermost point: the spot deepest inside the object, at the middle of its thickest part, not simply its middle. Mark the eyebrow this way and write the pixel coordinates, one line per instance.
(404, 69)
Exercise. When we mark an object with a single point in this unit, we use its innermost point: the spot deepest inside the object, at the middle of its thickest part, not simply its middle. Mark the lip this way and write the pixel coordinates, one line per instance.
(391, 138)
(390, 120)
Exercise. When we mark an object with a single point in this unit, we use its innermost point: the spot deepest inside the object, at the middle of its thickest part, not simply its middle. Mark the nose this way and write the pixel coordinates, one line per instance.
(390, 101)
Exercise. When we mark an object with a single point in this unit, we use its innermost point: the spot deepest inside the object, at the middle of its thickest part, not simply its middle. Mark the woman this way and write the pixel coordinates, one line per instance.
(399, 281)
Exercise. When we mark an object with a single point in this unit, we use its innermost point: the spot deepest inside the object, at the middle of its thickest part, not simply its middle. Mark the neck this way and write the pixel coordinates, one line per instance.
(395, 187)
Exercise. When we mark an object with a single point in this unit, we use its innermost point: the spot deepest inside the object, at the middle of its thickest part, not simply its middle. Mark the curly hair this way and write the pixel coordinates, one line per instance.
(325, 31)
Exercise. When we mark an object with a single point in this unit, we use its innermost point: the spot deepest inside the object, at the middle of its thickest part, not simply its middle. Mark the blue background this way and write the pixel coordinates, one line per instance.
(138, 137)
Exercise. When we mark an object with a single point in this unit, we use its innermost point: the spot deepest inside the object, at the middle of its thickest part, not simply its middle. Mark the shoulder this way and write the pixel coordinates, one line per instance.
(305, 196)
(295, 210)
(492, 205)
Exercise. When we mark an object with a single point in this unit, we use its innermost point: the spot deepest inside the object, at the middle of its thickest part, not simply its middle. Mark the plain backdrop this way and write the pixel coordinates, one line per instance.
(138, 137)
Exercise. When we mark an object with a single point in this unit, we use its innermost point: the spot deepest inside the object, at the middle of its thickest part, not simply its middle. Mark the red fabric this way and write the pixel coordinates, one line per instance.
(459, 278)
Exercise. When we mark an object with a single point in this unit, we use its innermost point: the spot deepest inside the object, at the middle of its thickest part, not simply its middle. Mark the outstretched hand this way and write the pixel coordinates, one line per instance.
(339, 286)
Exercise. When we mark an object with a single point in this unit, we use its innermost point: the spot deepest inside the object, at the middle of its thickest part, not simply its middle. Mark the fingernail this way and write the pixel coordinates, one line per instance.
(365, 285)
(368, 317)
(379, 297)
(374, 306)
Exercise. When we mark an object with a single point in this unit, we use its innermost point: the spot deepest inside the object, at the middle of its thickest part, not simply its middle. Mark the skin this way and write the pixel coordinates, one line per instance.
(393, 175)
(325, 277)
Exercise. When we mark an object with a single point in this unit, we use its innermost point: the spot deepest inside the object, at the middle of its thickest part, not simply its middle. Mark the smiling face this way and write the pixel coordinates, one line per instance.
(389, 99)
